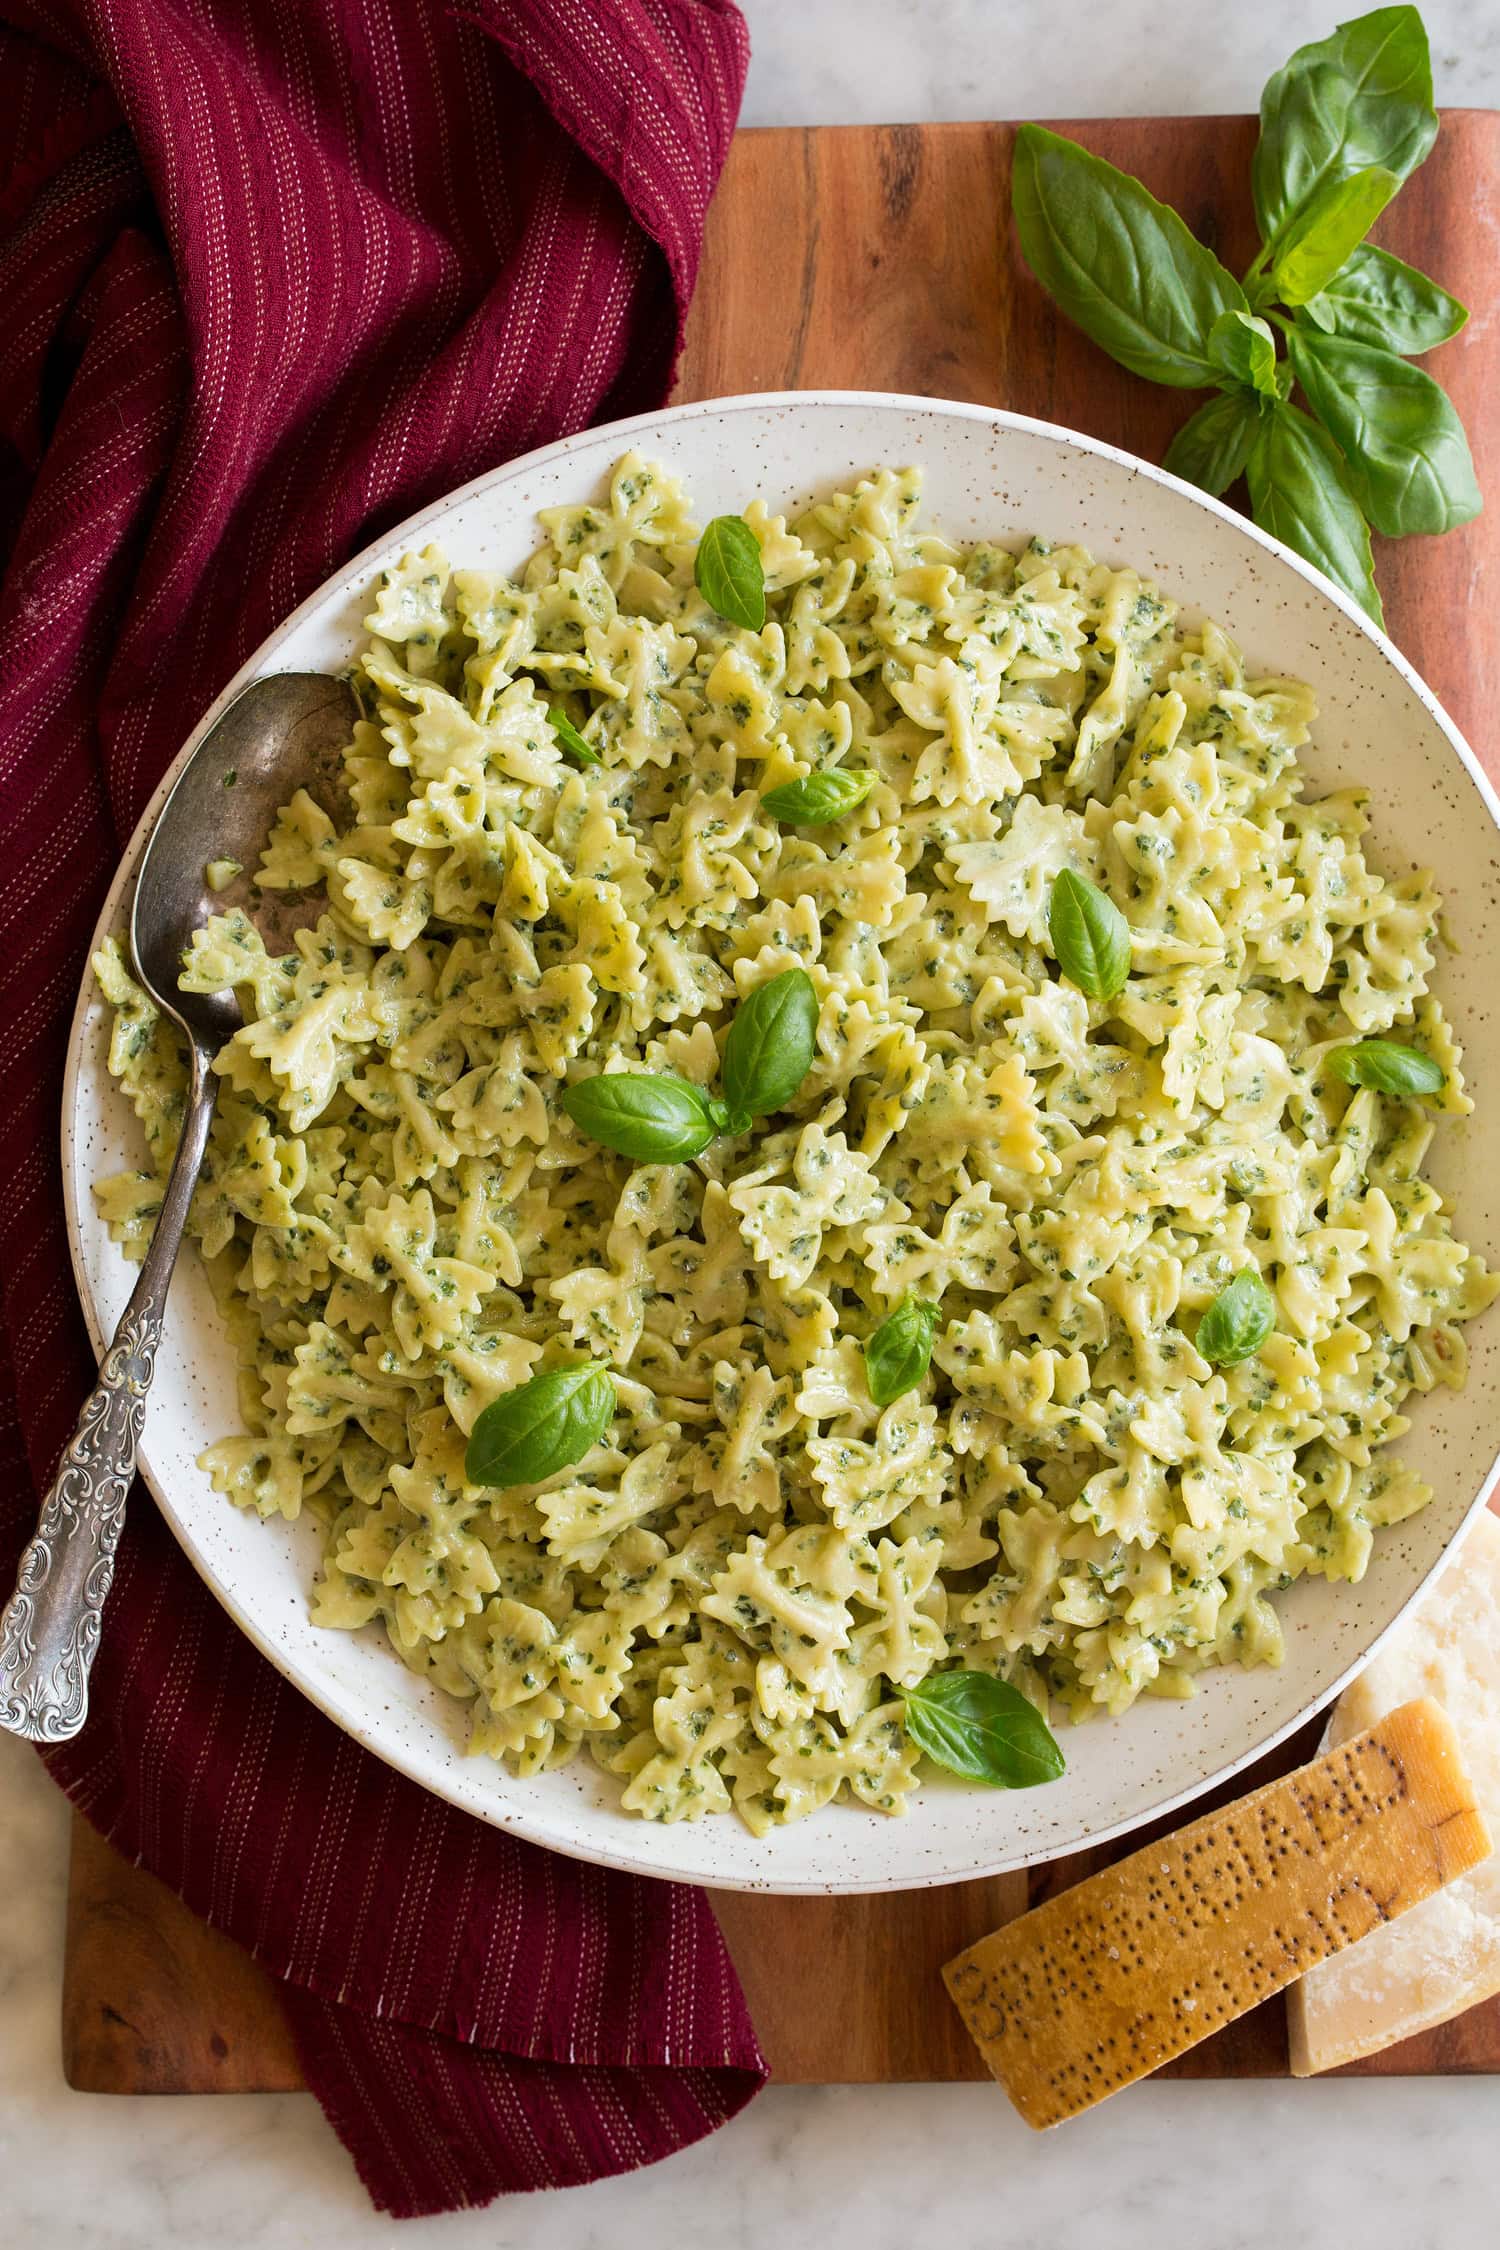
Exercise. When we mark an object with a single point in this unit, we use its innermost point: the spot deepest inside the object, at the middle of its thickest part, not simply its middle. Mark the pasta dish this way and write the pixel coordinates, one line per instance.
(1118, 1068)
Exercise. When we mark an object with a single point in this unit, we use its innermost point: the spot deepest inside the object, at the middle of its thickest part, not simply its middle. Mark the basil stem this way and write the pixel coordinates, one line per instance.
(769, 1050)
(1090, 936)
(569, 741)
(546, 1425)
(1387, 1066)
(819, 797)
(1238, 1321)
(729, 572)
(655, 1119)
(982, 1728)
(899, 1352)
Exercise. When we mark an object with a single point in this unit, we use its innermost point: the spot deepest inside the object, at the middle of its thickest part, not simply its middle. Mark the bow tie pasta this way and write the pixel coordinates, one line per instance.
(726, 1599)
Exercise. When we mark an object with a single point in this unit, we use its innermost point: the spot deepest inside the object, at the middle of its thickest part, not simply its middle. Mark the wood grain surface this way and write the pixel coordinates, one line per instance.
(881, 259)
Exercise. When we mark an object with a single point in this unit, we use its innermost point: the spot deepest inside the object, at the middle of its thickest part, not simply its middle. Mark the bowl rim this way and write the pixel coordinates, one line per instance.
(625, 1857)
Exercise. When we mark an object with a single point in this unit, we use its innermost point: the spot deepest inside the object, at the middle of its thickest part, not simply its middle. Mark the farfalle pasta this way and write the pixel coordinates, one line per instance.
(726, 1600)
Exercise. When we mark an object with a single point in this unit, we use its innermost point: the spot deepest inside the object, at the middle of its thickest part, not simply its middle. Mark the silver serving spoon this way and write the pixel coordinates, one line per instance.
(281, 734)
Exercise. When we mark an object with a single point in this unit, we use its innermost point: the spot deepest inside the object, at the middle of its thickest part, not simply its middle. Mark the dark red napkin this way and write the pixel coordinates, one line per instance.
(273, 273)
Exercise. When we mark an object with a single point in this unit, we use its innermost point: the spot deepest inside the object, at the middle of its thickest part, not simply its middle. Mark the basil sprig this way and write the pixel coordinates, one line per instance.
(770, 1045)
(569, 741)
(1326, 233)
(769, 1050)
(982, 1728)
(1090, 936)
(545, 1425)
(1213, 445)
(1299, 492)
(818, 798)
(1405, 453)
(655, 1118)
(899, 1352)
(1376, 299)
(1243, 347)
(1343, 124)
(1362, 96)
(1387, 1066)
(647, 1115)
(1238, 1321)
(1124, 266)
(729, 572)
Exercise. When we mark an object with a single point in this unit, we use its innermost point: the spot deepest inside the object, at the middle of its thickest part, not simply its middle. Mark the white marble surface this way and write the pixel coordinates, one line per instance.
(1390, 2166)
(1394, 2166)
(880, 62)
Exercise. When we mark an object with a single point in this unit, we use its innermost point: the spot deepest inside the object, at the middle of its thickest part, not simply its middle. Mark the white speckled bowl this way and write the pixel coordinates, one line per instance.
(999, 477)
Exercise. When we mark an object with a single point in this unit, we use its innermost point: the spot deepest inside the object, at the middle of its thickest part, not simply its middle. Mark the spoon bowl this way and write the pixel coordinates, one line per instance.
(284, 733)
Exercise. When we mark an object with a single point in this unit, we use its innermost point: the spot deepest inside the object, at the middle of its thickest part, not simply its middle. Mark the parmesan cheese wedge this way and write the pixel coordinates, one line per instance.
(1102, 1985)
(1444, 1956)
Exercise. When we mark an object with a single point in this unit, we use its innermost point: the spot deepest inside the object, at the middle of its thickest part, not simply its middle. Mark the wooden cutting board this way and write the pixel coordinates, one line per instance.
(881, 259)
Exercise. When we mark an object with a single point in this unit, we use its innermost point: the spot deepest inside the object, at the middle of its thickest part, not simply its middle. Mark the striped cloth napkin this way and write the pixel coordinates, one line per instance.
(276, 273)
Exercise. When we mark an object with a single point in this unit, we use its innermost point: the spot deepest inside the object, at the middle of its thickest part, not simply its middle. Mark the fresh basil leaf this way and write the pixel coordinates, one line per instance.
(569, 741)
(1407, 459)
(1122, 265)
(1298, 493)
(1244, 347)
(1090, 936)
(819, 797)
(729, 572)
(1375, 299)
(1238, 1321)
(1360, 97)
(1213, 445)
(651, 1117)
(769, 1050)
(1327, 231)
(528, 1434)
(982, 1728)
(1387, 1066)
(899, 1352)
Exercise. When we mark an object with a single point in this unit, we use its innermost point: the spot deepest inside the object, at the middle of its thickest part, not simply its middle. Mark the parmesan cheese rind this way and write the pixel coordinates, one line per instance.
(1102, 1985)
(1443, 1957)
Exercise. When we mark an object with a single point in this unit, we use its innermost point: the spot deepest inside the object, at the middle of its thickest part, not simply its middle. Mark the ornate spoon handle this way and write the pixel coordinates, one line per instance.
(50, 1629)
